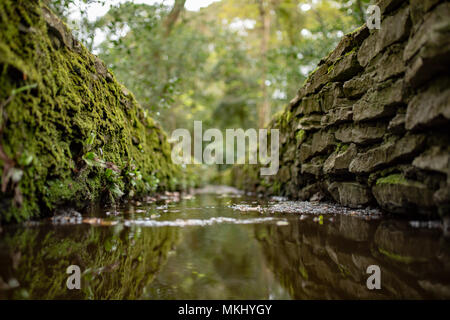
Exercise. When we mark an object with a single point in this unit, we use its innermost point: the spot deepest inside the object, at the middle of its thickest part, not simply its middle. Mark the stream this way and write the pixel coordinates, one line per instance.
(222, 244)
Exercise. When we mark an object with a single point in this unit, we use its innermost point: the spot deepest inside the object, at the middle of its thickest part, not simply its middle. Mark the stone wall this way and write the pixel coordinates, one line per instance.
(369, 126)
(70, 134)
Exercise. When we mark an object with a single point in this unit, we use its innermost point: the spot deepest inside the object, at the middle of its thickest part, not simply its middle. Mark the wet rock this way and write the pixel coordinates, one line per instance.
(387, 153)
(380, 102)
(350, 194)
(361, 133)
(397, 194)
(339, 161)
(430, 107)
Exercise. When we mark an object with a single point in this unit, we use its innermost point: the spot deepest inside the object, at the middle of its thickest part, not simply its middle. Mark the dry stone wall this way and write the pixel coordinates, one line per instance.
(370, 124)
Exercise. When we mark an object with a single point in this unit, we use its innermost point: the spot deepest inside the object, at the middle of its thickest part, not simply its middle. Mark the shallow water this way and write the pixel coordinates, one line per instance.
(224, 247)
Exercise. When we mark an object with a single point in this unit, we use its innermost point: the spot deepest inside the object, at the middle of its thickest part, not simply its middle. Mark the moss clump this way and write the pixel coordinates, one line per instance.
(341, 147)
(396, 257)
(398, 178)
(68, 131)
(300, 136)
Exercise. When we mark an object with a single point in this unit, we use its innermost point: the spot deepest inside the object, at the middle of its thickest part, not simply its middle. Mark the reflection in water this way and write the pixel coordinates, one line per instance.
(216, 247)
(117, 263)
(329, 261)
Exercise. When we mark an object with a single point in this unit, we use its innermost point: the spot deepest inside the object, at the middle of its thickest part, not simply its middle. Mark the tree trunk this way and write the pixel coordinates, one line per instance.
(172, 18)
(264, 107)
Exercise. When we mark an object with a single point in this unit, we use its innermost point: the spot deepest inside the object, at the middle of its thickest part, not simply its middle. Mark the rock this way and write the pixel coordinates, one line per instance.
(330, 97)
(387, 153)
(430, 107)
(57, 28)
(358, 86)
(345, 45)
(310, 122)
(337, 116)
(436, 22)
(436, 159)
(350, 194)
(419, 8)
(339, 160)
(397, 124)
(308, 105)
(322, 141)
(367, 50)
(284, 174)
(397, 194)
(309, 191)
(442, 200)
(388, 65)
(345, 68)
(428, 51)
(305, 152)
(314, 167)
(387, 6)
(361, 133)
(317, 79)
(393, 29)
(379, 102)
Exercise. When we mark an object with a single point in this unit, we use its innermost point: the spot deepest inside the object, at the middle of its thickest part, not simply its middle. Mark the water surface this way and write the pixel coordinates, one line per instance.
(219, 246)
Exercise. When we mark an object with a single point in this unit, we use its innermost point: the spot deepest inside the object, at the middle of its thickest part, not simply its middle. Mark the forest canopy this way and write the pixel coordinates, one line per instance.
(243, 57)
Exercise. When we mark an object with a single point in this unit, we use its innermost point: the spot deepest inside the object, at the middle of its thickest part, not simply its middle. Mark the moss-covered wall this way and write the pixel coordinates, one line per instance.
(69, 132)
(370, 124)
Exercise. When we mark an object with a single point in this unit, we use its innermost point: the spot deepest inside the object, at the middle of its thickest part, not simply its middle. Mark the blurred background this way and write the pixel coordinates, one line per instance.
(228, 63)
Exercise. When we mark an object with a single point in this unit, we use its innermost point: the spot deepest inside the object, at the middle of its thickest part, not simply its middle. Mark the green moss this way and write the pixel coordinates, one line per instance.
(396, 257)
(58, 97)
(116, 262)
(397, 178)
(341, 147)
(300, 136)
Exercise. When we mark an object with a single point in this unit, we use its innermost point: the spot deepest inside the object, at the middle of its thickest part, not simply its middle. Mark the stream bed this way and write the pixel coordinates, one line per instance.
(222, 244)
